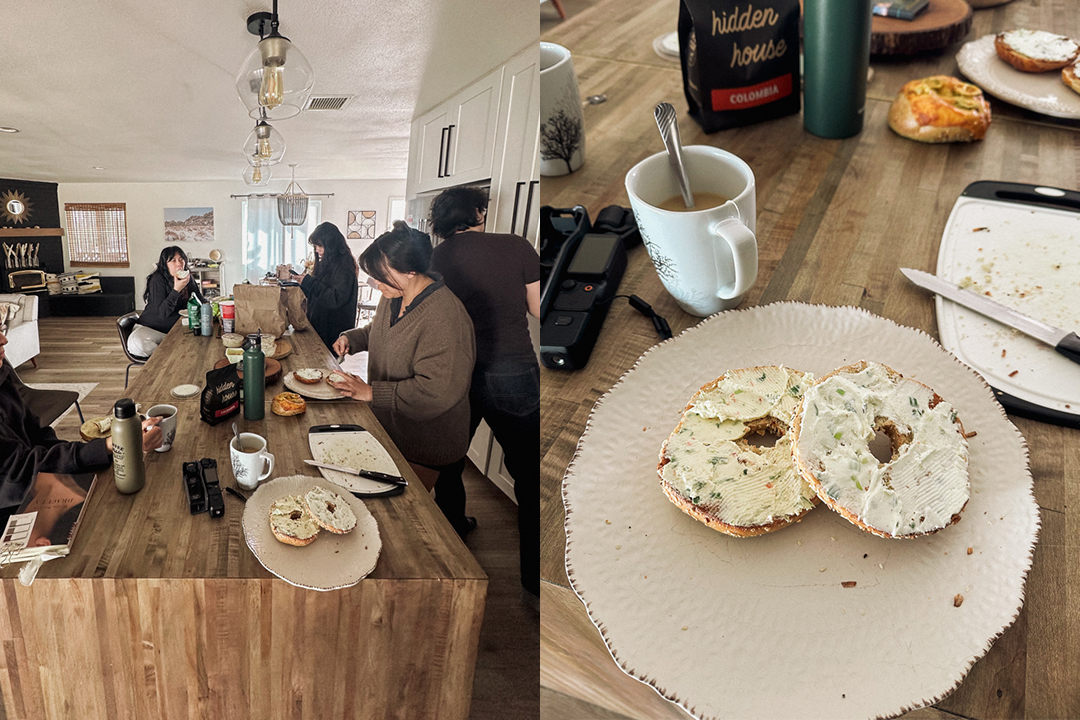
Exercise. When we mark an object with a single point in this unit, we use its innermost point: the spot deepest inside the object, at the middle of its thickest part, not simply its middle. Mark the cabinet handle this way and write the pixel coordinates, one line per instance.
(528, 209)
(449, 130)
(517, 198)
(442, 148)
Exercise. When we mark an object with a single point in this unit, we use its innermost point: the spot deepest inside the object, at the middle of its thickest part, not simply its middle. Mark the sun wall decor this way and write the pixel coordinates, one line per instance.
(15, 207)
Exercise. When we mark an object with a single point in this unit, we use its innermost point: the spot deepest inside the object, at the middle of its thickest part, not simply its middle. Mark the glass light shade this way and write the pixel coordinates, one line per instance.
(257, 175)
(275, 78)
(264, 145)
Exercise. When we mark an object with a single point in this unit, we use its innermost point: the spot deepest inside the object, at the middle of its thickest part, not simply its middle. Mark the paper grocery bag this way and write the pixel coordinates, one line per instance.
(260, 307)
(295, 308)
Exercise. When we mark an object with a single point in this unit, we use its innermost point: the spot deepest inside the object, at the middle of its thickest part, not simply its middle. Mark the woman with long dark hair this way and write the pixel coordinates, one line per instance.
(497, 278)
(331, 286)
(168, 289)
(420, 359)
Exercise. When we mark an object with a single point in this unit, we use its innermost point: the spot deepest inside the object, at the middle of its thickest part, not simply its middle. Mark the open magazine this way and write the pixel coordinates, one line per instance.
(48, 519)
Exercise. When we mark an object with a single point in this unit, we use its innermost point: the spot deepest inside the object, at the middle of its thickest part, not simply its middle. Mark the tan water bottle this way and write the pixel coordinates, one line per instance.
(128, 469)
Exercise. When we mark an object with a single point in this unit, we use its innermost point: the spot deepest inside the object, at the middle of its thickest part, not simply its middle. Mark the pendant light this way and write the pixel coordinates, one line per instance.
(276, 77)
(264, 145)
(292, 205)
(257, 175)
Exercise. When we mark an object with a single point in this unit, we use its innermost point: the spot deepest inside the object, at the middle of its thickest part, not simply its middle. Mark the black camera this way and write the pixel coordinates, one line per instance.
(202, 487)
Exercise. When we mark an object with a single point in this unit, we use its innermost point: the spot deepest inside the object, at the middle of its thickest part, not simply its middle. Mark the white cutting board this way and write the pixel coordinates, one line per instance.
(1025, 257)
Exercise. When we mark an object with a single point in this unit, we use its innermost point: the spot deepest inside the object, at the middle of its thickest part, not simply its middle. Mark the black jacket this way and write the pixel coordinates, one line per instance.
(26, 448)
(163, 308)
(331, 300)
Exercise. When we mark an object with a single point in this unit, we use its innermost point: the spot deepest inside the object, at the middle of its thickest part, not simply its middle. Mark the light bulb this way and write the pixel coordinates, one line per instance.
(256, 174)
(264, 150)
(272, 90)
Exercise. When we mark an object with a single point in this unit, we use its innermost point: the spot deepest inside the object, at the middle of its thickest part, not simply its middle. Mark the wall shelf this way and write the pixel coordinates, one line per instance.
(31, 232)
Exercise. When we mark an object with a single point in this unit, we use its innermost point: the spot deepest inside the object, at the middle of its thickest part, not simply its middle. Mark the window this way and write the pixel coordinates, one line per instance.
(267, 243)
(97, 234)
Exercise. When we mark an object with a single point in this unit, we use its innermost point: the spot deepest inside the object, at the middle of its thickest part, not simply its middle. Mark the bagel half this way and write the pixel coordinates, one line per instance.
(291, 522)
(330, 511)
(1035, 51)
(1070, 75)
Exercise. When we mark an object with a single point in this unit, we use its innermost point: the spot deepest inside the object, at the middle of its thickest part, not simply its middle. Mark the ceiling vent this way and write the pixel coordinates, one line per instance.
(324, 102)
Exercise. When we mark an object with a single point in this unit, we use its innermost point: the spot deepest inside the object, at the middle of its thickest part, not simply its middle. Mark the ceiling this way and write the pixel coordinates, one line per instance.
(146, 89)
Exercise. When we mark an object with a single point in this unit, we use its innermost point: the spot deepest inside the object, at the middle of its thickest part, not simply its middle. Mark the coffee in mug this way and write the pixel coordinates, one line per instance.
(702, 201)
(251, 463)
(167, 413)
(706, 257)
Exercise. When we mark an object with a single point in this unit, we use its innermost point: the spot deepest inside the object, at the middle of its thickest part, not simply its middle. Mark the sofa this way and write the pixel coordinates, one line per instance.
(22, 329)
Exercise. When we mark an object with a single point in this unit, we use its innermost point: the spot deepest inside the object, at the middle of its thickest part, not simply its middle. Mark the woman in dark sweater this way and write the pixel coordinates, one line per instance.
(168, 289)
(420, 359)
(331, 287)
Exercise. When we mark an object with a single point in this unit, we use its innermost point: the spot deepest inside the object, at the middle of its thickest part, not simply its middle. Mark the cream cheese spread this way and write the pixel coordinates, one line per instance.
(917, 492)
(1041, 45)
(710, 464)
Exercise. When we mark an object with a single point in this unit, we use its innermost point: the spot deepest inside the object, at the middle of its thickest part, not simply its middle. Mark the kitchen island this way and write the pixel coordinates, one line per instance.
(160, 614)
(836, 220)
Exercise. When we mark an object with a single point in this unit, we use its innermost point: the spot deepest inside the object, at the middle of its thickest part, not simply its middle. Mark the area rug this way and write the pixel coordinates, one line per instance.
(83, 389)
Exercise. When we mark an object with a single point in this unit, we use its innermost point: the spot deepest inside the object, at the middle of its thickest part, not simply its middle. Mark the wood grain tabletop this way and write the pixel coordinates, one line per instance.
(836, 220)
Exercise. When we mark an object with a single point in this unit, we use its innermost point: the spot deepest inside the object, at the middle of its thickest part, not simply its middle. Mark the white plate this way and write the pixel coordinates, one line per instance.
(356, 450)
(329, 563)
(1027, 258)
(1042, 92)
(315, 391)
(762, 627)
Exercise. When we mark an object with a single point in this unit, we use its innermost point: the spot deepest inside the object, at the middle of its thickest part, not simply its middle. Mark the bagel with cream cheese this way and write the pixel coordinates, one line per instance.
(922, 489)
(710, 470)
(1035, 51)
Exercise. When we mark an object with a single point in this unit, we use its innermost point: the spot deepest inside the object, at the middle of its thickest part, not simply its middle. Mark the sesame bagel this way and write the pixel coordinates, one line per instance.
(922, 489)
(710, 470)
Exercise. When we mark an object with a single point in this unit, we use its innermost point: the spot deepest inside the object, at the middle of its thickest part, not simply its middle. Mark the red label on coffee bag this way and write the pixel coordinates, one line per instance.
(753, 95)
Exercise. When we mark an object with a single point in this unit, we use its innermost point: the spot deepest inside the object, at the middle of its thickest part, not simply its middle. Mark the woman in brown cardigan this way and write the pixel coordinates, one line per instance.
(421, 351)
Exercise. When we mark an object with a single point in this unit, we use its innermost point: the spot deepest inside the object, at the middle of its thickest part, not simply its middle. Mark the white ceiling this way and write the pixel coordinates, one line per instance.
(146, 89)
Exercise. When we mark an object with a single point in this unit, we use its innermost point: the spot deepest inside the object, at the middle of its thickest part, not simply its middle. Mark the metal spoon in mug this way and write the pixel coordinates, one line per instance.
(668, 123)
(236, 434)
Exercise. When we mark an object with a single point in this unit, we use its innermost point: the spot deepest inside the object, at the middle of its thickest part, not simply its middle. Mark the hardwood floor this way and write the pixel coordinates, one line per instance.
(506, 685)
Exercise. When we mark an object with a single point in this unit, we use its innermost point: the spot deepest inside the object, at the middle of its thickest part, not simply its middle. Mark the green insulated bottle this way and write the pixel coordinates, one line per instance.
(254, 377)
(836, 47)
(129, 473)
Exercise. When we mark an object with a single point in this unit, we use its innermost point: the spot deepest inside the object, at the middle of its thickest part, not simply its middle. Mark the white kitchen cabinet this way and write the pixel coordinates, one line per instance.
(455, 142)
(514, 208)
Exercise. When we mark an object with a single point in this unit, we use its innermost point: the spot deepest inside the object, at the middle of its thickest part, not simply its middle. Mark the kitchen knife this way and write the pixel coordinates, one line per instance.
(369, 474)
(1065, 342)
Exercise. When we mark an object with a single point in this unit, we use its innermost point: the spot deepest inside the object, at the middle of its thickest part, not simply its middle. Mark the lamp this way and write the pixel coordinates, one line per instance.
(276, 77)
(257, 175)
(264, 145)
(292, 205)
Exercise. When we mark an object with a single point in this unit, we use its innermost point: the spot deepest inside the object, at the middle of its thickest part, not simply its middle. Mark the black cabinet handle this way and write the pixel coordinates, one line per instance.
(517, 199)
(442, 149)
(449, 130)
(528, 209)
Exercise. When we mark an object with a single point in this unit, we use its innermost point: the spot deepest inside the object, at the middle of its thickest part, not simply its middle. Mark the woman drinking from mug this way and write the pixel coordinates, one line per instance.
(168, 289)
(331, 286)
(420, 360)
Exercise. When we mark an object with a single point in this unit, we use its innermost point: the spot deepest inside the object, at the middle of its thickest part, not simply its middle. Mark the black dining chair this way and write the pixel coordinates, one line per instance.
(125, 324)
(47, 405)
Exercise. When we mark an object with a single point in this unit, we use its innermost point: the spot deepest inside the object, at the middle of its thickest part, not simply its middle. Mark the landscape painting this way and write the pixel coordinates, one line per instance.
(189, 225)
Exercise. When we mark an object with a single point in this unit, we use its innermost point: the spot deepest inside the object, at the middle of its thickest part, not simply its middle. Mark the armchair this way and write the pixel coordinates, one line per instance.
(22, 330)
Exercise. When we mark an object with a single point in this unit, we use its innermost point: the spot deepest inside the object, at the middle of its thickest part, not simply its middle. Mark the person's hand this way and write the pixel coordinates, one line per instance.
(341, 346)
(180, 283)
(151, 439)
(353, 387)
(297, 278)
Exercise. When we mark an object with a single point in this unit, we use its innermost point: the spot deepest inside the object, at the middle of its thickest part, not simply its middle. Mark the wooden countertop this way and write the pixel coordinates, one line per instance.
(836, 221)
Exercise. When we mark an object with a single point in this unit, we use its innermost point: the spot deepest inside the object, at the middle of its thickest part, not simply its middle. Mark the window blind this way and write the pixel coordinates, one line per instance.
(97, 234)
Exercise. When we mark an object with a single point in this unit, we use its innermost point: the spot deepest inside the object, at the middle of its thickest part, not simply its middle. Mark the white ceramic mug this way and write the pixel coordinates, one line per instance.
(562, 124)
(252, 467)
(707, 258)
(167, 413)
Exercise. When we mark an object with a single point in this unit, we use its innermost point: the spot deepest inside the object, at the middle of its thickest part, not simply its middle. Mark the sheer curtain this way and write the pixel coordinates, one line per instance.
(267, 243)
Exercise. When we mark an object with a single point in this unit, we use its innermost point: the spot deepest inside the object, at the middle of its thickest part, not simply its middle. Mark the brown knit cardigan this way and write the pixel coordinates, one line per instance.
(419, 370)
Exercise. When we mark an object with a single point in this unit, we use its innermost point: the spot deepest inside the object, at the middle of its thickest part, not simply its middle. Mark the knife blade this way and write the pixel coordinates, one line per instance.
(370, 474)
(1065, 342)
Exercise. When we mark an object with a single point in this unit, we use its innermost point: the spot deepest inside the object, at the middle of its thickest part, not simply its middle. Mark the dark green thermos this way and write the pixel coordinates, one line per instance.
(836, 49)
(254, 377)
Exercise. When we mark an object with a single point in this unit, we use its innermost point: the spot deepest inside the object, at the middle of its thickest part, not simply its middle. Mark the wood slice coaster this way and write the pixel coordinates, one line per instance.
(89, 431)
(979, 4)
(942, 24)
(273, 369)
(283, 349)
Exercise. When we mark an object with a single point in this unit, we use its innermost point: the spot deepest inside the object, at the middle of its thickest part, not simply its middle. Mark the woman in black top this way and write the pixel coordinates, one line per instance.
(168, 289)
(331, 286)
